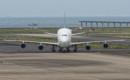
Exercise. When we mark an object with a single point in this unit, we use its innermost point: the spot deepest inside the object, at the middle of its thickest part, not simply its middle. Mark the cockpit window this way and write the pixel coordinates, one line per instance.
(64, 34)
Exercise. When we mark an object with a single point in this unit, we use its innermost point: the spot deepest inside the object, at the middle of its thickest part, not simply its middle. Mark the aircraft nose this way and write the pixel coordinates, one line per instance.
(64, 40)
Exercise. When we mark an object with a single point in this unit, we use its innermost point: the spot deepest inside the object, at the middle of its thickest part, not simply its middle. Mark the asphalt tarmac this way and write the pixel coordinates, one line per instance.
(58, 66)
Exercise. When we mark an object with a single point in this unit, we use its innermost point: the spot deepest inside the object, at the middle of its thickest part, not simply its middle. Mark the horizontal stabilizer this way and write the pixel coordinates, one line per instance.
(77, 34)
(50, 33)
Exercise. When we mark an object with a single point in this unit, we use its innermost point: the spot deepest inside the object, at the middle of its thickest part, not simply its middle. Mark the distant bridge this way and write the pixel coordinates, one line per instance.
(105, 23)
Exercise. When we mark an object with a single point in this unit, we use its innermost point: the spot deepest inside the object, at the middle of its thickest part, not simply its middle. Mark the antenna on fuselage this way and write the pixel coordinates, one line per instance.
(64, 20)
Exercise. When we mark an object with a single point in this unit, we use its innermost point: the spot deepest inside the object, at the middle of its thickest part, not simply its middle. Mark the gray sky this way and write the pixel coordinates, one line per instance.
(56, 8)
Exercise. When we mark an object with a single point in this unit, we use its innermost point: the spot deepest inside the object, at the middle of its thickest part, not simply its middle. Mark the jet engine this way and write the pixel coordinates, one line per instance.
(105, 45)
(41, 47)
(88, 47)
(23, 45)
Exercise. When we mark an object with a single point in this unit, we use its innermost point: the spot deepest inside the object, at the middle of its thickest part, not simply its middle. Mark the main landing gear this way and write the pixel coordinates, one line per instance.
(64, 49)
(53, 49)
(60, 50)
(68, 50)
(75, 49)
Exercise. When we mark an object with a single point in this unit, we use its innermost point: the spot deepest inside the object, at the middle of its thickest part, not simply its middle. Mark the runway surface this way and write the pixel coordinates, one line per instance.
(57, 66)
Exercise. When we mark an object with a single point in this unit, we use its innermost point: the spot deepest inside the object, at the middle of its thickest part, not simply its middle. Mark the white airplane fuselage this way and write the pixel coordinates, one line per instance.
(64, 37)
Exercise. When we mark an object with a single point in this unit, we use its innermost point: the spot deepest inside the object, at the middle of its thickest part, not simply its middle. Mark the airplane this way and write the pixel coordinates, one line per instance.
(64, 37)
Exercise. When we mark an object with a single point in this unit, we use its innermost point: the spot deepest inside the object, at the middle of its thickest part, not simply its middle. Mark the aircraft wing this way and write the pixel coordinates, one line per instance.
(46, 43)
(80, 43)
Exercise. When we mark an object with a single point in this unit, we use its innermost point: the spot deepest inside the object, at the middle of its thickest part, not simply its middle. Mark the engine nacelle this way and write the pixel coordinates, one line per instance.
(23, 45)
(105, 46)
(88, 47)
(41, 47)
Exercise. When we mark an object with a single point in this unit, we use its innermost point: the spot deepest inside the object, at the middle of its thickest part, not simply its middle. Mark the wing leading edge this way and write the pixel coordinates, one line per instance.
(46, 43)
(80, 43)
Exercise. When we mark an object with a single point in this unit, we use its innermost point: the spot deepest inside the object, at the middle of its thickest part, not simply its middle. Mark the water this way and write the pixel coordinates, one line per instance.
(50, 22)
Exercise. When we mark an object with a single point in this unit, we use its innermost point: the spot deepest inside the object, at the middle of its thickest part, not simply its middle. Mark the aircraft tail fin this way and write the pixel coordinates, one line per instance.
(64, 20)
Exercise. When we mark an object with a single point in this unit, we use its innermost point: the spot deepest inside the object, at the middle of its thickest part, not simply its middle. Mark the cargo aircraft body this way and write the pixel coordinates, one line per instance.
(64, 36)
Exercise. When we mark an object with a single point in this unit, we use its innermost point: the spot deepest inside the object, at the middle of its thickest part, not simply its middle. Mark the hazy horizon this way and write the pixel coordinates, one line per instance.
(56, 8)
